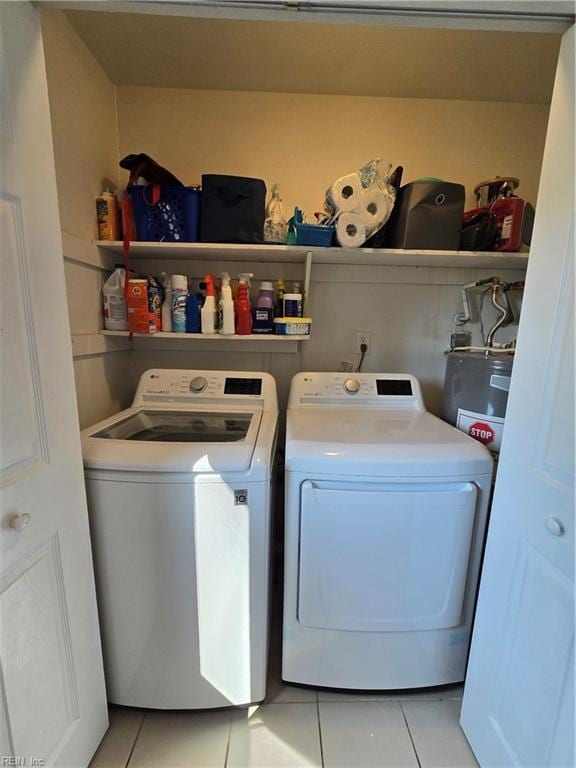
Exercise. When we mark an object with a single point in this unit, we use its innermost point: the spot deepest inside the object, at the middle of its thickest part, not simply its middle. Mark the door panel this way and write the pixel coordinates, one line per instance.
(518, 706)
(392, 559)
(22, 410)
(52, 697)
(535, 583)
(35, 646)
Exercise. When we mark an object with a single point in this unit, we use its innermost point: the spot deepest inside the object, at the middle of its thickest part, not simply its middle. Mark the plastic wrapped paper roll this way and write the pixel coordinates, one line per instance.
(345, 193)
(375, 208)
(351, 230)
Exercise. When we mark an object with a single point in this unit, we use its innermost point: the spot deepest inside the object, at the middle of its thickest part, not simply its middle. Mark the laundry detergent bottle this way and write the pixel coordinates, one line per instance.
(208, 311)
(115, 309)
(243, 311)
(226, 326)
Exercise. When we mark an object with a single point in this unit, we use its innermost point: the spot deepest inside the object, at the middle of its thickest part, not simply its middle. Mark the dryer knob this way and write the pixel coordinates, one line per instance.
(198, 384)
(352, 386)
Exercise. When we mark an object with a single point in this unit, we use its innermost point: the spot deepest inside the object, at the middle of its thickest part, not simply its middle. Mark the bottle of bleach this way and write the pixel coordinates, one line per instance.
(115, 310)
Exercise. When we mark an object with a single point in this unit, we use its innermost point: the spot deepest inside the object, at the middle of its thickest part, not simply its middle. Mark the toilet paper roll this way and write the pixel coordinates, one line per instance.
(351, 230)
(375, 208)
(345, 193)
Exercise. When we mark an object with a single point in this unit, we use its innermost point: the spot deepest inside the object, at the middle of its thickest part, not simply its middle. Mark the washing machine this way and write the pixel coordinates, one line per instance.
(179, 493)
(386, 511)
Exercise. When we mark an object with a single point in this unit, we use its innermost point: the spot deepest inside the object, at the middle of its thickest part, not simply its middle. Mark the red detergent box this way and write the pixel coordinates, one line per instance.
(144, 300)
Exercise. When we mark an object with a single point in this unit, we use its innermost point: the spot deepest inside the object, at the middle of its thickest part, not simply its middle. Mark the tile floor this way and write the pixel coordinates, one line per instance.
(296, 727)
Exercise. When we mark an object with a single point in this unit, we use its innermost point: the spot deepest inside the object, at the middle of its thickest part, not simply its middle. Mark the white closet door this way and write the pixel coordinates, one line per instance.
(519, 698)
(52, 697)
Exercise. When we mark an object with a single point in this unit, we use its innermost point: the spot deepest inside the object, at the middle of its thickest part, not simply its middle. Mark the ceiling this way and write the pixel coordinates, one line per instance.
(218, 54)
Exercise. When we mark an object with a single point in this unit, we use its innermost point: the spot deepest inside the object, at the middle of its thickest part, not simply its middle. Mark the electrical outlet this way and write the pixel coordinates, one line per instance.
(363, 337)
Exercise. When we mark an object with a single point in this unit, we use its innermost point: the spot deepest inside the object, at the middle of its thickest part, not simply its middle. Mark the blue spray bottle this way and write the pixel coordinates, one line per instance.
(192, 314)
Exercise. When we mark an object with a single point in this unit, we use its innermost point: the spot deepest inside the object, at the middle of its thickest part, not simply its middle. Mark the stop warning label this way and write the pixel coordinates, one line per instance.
(486, 429)
(482, 432)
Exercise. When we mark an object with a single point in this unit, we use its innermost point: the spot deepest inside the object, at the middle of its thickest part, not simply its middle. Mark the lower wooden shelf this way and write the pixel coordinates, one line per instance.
(205, 338)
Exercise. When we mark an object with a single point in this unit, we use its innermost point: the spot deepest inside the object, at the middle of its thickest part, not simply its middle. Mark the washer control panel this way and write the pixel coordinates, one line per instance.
(374, 389)
(352, 386)
(198, 384)
(181, 386)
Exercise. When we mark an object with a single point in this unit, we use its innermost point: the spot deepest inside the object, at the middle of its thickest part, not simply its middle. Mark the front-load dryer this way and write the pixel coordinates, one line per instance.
(179, 491)
(386, 509)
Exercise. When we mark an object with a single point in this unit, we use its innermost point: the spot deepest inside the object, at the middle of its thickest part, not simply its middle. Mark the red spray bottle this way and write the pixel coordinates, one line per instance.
(243, 311)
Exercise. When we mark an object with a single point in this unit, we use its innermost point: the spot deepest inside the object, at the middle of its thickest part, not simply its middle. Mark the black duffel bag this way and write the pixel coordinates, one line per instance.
(233, 209)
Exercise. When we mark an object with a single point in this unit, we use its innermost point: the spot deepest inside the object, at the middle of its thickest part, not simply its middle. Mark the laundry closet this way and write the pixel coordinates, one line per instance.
(297, 102)
(202, 96)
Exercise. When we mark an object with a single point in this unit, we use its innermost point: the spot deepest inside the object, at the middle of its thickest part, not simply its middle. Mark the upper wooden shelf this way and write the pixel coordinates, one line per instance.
(296, 253)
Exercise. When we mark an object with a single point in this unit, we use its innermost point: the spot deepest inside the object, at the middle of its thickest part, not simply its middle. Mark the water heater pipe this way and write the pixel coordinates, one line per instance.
(504, 313)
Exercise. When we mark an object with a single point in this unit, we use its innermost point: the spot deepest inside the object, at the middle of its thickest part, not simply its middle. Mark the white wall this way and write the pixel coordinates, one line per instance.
(304, 142)
(84, 127)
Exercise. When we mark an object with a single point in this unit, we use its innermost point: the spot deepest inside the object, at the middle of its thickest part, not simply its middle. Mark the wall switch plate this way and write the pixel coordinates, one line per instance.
(363, 337)
(345, 366)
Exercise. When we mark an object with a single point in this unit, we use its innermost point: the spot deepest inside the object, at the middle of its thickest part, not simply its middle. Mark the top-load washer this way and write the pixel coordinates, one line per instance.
(179, 492)
(386, 509)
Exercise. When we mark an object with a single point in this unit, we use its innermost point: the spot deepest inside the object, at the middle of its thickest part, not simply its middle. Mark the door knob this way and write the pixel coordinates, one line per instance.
(555, 526)
(19, 521)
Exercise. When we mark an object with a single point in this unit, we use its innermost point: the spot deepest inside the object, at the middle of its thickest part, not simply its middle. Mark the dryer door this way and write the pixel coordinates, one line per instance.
(387, 557)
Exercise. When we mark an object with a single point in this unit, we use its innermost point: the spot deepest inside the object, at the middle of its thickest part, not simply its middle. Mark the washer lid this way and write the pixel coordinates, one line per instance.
(179, 427)
(380, 442)
(172, 440)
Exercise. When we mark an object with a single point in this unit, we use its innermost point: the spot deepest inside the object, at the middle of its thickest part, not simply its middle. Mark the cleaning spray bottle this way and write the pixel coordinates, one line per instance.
(226, 325)
(275, 225)
(243, 310)
(208, 311)
(245, 277)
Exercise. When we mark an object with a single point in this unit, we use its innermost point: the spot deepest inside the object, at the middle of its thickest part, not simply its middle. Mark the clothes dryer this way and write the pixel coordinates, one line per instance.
(386, 509)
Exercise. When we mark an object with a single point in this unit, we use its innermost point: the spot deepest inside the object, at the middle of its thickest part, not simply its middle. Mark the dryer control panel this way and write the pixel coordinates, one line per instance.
(356, 389)
(217, 387)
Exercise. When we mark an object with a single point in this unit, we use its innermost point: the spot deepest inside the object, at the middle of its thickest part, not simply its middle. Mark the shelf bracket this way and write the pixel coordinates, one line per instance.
(307, 273)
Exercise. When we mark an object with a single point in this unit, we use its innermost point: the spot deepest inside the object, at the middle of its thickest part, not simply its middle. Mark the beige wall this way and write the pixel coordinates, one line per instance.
(304, 142)
(84, 127)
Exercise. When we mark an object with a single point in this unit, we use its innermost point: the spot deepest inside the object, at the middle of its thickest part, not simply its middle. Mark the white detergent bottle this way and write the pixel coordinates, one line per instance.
(208, 311)
(166, 304)
(115, 310)
(226, 307)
